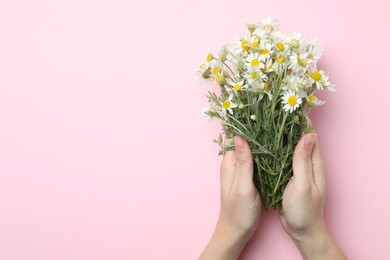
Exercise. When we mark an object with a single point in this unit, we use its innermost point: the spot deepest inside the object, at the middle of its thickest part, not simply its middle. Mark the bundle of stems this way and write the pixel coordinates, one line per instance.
(272, 137)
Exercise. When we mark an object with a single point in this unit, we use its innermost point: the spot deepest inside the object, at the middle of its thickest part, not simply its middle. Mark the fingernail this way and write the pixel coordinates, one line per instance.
(310, 140)
(238, 142)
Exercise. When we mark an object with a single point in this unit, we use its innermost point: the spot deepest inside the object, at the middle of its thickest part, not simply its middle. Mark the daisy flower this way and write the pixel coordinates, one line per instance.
(269, 24)
(254, 43)
(227, 105)
(295, 40)
(265, 87)
(296, 84)
(203, 73)
(268, 66)
(314, 49)
(321, 80)
(279, 64)
(254, 61)
(265, 50)
(239, 85)
(313, 101)
(279, 39)
(253, 75)
(216, 68)
(260, 34)
(299, 62)
(291, 101)
(242, 44)
(223, 53)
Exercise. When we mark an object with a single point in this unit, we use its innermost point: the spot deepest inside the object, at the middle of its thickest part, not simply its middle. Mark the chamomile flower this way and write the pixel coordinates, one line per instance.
(216, 68)
(297, 83)
(265, 50)
(265, 87)
(295, 41)
(223, 53)
(253, 75)
(320, 79)
(203, 73)
(314, 48)
(280, 63)
(239, 85)
(242, 44)
(299, 62)
(268, 66)
(254, 61)
(260, 34)
(227, 105)
(269, 24)
(280, 44)
(291, 101)
(313, 101)
(254, 43)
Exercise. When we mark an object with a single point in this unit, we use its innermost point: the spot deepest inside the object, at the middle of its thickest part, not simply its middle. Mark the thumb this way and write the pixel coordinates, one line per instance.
(302, 160)
(244, 159)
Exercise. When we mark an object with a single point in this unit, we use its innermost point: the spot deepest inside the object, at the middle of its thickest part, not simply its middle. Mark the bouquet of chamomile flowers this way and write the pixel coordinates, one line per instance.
(267, 86)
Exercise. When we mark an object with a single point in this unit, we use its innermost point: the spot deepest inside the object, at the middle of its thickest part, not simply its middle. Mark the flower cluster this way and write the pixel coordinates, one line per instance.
(257, 59)
(268, 82)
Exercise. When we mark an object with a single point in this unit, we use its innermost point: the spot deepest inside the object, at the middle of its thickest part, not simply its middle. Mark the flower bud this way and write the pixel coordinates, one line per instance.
(251, 27)
(220, 80)
(225, 73)
(253, 117)
(295, 43)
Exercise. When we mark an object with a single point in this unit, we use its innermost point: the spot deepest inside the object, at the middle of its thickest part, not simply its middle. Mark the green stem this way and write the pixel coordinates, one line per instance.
(281, 129)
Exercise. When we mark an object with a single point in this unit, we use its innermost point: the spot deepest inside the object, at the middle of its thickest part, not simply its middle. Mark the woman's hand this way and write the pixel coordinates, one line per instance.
(303, 203)
(240, 204)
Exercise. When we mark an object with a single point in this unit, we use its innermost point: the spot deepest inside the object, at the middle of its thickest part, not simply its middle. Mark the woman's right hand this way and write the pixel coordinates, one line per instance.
(303, 203)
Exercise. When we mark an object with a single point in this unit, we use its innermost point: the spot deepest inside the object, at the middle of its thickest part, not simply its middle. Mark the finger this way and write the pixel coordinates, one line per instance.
(318, 168)
(244, 161)
(302, 162)
(228, 167)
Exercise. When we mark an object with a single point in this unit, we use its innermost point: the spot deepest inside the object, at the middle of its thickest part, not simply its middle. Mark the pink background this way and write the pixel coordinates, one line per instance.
(104, 153)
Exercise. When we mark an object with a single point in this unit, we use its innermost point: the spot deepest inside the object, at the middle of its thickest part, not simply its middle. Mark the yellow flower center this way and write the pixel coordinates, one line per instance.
(292, 101)
(237, 87)
(266, 87)
(312, 97)
(298, 60)
(280, 46)
(254, 75)
(218, 78)
(280, 59)
(209, 57)
(216, 70)
(245, 45)
(316, 76)
(255, 62)
(263, 52)
(255, 44)
(226, 104)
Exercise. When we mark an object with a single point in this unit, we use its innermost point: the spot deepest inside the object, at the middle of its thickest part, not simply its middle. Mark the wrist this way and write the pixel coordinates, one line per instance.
(226, 243)
(317, 244)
